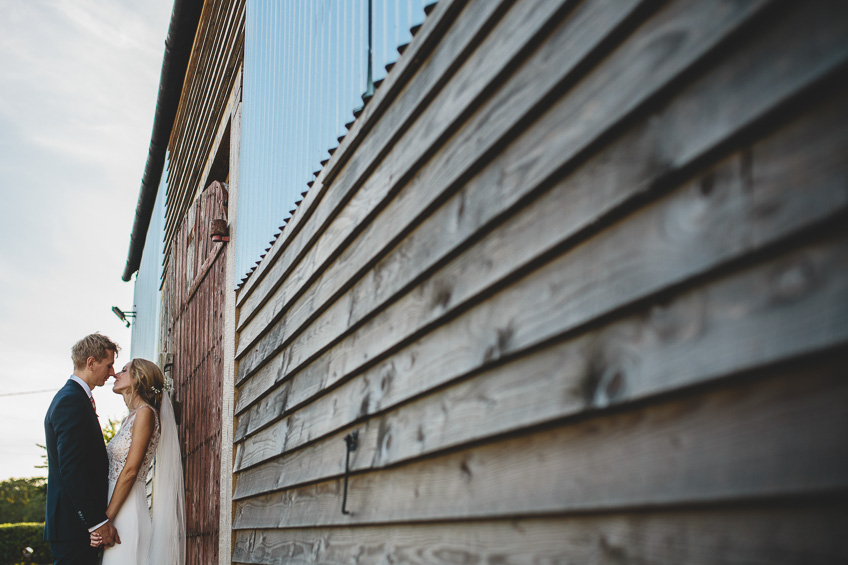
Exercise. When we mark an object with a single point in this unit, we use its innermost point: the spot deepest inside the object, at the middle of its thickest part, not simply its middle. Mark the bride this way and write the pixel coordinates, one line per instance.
(148, 436)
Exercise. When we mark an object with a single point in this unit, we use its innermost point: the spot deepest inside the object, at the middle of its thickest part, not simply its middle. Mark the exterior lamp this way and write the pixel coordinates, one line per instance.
(123, 315)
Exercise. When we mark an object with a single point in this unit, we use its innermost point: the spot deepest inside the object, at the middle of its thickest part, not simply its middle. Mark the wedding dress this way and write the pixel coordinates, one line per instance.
(133, 520)
(149, 535)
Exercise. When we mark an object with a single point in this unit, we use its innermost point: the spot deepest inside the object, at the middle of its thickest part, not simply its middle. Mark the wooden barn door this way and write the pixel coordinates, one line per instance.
(193, 300)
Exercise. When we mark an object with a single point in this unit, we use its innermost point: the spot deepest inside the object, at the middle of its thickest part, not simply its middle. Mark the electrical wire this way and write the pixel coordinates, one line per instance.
(28, 392)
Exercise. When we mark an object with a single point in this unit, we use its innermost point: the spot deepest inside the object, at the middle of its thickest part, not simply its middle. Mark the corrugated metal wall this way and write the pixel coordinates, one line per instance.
(145, 327)
(305, 71)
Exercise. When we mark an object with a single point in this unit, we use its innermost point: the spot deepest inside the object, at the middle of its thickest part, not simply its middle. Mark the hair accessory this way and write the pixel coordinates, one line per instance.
(168, 386)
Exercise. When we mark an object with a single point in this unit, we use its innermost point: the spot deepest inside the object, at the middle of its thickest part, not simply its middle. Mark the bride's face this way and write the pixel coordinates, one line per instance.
(122, 380)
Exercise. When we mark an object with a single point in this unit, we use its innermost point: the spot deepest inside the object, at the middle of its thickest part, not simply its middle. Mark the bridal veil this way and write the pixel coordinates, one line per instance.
(167, 544)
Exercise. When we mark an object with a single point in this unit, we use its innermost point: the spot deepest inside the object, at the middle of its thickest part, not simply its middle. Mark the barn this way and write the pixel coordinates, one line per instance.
(503, 281)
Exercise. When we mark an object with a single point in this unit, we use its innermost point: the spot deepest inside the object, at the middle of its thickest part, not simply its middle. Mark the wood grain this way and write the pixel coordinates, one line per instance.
(784, 534)
(732, 325)
(378, 274)
(764, 177)
(779, 436)
(192, 331)
(704, 114)
(709, 333)
(226, 486)
(203, 104)
(635, 358)
(534, 79)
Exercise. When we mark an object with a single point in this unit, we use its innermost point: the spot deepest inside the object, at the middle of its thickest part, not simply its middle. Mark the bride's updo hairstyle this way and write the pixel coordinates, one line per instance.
(148, 381)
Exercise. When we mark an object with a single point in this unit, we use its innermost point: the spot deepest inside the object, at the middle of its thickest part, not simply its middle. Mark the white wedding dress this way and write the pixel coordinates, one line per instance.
(133, 521)
(154, 536)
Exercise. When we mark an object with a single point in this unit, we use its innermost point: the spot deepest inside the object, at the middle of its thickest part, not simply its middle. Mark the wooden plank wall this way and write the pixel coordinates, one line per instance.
(193, 329)
(578, 278)
(213, 68)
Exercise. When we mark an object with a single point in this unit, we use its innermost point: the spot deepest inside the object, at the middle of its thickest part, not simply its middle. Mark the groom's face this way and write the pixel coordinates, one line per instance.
(103, 369)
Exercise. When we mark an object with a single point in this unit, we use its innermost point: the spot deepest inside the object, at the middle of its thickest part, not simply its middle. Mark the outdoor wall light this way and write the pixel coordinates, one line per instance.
(123, 315)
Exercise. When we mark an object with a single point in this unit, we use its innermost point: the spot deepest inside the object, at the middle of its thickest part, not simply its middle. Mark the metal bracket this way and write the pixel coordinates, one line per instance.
(123, 315)
(352, 442)
(166, 363)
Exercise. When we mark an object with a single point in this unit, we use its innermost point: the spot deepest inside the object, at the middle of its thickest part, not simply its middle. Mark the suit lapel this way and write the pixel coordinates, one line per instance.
(89, 409)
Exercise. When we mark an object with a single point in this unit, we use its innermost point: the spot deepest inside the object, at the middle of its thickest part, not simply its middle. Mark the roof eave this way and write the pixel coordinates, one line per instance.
(184, 19)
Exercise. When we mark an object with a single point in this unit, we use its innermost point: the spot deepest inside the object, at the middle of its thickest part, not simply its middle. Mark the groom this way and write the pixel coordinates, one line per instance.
(77, 477)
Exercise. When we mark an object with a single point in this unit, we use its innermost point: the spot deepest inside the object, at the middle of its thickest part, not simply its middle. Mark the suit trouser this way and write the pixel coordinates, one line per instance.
(74, 553)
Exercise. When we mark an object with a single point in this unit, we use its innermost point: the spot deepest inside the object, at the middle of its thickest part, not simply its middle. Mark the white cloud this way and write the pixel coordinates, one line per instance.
(78, 87)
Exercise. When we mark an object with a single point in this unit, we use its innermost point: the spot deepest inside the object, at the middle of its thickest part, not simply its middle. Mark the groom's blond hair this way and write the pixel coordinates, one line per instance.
(95, 345)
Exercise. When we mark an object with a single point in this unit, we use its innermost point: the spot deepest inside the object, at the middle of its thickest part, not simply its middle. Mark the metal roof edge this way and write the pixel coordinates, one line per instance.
(185, 17)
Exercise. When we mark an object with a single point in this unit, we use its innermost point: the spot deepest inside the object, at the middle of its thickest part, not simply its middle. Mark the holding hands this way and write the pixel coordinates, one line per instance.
(105, 536)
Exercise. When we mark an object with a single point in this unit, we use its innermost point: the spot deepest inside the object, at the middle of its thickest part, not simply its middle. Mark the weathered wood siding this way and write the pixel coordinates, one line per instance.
(194, 274)
(210, 79)
(192, 332)
(578, 276)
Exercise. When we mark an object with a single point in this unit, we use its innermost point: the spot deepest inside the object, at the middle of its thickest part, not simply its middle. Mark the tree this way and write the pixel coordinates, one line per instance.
(23, 500)
(110, 429)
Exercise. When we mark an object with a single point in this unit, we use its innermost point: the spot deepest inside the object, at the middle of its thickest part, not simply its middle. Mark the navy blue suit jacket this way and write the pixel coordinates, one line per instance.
(78, 467)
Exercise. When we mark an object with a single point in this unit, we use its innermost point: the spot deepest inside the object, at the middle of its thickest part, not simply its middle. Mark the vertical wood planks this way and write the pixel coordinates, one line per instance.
(195, 338)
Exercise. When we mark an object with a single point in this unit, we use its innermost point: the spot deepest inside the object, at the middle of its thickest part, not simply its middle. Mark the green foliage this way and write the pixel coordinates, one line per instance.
(110, 429)
(23, 500)
(43, 457)
(15, 538)
(22, 507)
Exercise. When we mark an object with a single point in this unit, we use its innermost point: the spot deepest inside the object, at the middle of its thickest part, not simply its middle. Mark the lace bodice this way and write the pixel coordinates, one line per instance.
(119, 447)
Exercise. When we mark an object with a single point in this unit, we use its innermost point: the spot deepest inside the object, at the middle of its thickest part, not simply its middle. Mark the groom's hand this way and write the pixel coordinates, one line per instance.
(108, 534)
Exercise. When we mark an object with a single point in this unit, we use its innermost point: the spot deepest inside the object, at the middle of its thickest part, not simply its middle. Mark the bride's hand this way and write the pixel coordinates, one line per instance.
(96, 539)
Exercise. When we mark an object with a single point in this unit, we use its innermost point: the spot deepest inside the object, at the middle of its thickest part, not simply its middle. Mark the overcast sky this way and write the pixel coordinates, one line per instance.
(78, 85)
